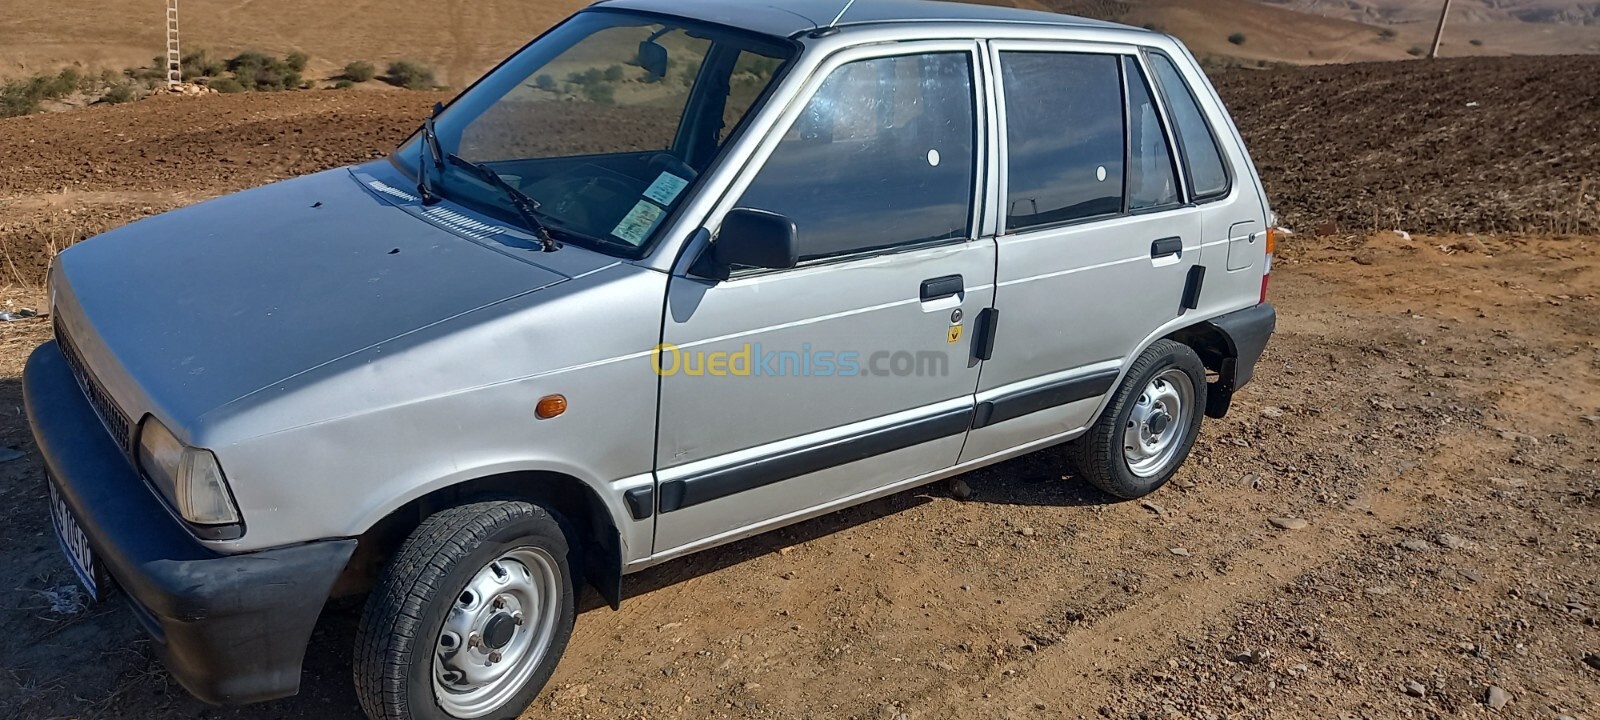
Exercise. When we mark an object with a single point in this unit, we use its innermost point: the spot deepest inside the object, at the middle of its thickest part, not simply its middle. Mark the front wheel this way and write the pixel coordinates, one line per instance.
(469, 618)
(1145, 434)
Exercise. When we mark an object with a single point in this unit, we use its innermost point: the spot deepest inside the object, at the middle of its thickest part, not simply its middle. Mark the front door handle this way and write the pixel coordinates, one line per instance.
(1166, 247)
(942, 287)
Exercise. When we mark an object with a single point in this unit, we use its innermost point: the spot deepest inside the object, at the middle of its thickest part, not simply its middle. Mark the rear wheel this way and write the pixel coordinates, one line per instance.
(1145, 434)
(469, 618)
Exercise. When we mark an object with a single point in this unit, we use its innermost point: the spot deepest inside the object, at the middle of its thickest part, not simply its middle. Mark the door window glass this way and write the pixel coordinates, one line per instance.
(1065, 137)
(881, 157)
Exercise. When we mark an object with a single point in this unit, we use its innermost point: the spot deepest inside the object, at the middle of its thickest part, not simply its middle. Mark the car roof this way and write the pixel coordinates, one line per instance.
(787, 18)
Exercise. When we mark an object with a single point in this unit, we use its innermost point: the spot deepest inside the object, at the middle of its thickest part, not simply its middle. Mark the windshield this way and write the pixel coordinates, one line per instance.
(605, 123)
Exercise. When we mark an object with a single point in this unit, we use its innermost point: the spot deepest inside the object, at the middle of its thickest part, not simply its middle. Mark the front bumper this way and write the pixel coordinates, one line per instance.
(230, 628)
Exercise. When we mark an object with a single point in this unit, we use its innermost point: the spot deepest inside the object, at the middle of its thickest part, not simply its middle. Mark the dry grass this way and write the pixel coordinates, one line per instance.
(19, 338)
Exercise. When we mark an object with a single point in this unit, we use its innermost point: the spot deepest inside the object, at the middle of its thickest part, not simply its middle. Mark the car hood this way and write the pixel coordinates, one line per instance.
(185, 312)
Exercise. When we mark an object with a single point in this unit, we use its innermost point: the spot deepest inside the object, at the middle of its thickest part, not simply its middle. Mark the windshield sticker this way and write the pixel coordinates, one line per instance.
(638, 223)
(666, 188)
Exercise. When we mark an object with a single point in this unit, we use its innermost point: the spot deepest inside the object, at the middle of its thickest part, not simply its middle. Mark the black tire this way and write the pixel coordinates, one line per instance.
(1099, 454)
(404, 616)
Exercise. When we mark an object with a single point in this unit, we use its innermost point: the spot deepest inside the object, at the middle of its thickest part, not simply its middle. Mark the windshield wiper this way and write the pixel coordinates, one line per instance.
(431, 149)
(525, 206)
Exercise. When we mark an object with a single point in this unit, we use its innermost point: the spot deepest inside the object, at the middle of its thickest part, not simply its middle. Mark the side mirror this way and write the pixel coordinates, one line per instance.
(755, 238)
(653, 58)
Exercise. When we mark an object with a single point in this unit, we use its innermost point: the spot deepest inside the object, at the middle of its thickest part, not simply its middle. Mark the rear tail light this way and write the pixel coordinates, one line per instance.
(1266, 274)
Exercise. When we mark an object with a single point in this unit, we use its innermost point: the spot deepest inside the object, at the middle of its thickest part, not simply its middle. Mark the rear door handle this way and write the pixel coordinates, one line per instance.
(1166, 247)
(942, 287)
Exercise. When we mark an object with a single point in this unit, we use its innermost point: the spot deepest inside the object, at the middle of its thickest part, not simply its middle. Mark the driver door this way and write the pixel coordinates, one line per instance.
(791, 392)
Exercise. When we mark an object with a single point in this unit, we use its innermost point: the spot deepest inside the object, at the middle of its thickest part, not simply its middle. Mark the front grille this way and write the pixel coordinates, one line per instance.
(116, 421)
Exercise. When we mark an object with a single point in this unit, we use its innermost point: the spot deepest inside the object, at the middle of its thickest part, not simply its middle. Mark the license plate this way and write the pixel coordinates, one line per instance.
(74, 544)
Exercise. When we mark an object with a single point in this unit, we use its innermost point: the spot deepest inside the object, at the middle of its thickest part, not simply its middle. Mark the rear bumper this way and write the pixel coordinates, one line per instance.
(1247, 332)
(230, 628)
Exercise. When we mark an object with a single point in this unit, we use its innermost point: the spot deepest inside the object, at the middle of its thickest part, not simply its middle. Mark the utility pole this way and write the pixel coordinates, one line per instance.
(1438, 35)
(174, 58)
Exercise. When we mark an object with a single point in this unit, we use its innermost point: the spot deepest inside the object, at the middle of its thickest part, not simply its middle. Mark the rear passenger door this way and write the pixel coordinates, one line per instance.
(1221, 184)
(1096, 240)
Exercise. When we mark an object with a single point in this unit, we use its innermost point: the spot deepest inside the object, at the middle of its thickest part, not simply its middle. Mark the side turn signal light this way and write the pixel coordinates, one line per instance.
(550, 406)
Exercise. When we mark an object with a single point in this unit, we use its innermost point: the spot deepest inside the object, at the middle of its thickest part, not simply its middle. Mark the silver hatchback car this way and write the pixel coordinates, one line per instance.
(671, 275)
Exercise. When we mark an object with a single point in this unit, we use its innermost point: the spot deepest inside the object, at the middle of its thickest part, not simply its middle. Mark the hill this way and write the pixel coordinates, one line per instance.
(463, 39)
(1475, 27)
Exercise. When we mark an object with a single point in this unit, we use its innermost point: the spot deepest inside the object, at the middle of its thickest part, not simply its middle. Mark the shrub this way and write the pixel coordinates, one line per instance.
(410, 74)
(15, 100)
(297, 61)
(1475, 42)
(545, 82)
(200, 64)
(21, 97)
(120, 93)
(1387, 33)
(227, 85)
(67, 82)
(360, 71)
(1417, 51)
(614, 73)
(251, 59)
(246, 78)
(1237, 38)
(256, 70)
(601, 93)
(344, 84)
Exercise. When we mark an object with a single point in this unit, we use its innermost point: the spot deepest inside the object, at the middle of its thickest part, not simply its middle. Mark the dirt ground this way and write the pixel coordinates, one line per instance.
(1460, 145)
(1430, 408)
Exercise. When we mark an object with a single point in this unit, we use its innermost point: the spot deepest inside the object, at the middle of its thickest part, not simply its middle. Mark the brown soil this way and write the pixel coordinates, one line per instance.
(1429, 406)
(76, 174)
(1465, 145)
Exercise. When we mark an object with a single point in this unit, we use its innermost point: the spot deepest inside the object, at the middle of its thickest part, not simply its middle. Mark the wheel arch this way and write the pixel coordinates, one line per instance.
(1219, 353)
(587, 515)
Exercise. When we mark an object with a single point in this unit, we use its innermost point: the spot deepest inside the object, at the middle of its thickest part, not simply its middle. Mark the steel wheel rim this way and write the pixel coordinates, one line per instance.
(497, 632)
(1158, 426)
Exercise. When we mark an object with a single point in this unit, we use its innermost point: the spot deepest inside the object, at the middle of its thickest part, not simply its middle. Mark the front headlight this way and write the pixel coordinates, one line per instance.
(189, 477)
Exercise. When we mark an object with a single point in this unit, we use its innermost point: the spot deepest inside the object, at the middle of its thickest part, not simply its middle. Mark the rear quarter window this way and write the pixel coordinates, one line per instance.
(1208, 174)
